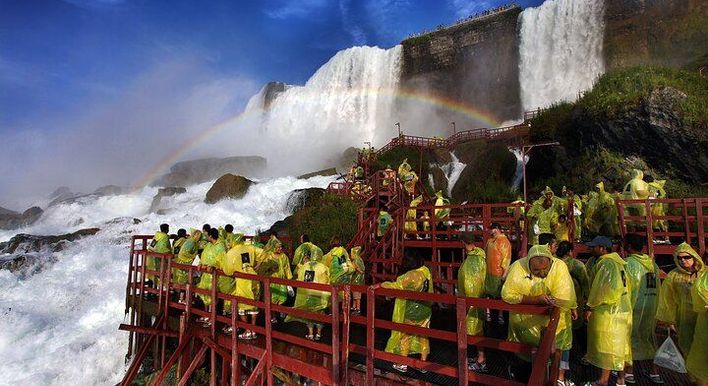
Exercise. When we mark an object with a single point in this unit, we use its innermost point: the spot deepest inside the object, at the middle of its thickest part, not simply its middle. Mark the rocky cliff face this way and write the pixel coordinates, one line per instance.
(661, 32)
(476, 63)
(201, 170)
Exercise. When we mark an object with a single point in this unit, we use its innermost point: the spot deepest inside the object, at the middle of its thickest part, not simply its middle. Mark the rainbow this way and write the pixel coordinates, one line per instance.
(438, 101)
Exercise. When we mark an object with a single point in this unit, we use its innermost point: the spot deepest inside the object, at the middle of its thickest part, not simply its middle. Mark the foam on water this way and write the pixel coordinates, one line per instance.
(60, 326)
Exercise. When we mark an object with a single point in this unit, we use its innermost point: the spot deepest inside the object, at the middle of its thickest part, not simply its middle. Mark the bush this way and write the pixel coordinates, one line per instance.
(330, 216)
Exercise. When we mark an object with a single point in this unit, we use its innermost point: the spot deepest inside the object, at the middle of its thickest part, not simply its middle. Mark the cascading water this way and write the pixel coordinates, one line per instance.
(452, 171)
(518, 173)
(560, 50)
(341, 105)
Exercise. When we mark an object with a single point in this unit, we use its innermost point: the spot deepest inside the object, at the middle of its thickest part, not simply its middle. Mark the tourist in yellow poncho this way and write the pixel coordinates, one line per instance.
(657, 191)
(160, 244)
(470, 283)
(675, 304)
(384, 222)
(306, 248)
(417, 278)
(601, 212)
(274, 252)
(643, 277)
(311, 270)
(357, 277)
(185, 254)
(543, 215)
(404, 168)
(244, 258)
(411, 225)
(231, 239)
(576, 209)
(609, 312)
(697, 359)
(636, 189)
(540, 278)
(212, 257)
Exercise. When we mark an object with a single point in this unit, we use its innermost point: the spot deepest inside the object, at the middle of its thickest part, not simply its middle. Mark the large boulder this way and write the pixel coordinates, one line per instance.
(14, 220)
(164, 192)
(202, 170)
(228, 186)
(110, 190)
(303, 198)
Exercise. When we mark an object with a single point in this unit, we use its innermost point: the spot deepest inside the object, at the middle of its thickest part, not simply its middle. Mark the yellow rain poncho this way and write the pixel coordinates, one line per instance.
(675, 304)
(441, 214)
(636, 189)
(545, 219)
(411, 226)
(656, 190)
(581, 283)
(576, 209)
(312, 271)
(645, 287)
(160, 244)
(307, 249)
(697, 359)
(185, 254)
(384, 222)
(404, 168)
(520, 282)
(411, 312)
(273, 252)
(233, 239)
(340, 267)
(213, 256)
(470, 283)
(610, 325)
(601, 213)
(242, 258)
(410, 179)
(359, 267)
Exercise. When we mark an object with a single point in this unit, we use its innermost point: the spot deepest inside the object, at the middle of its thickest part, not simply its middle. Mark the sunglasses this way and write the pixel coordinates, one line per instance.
(685, 257)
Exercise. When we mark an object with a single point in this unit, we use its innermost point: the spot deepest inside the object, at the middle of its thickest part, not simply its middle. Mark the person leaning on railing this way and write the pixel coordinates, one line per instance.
(539, 278)
(417, 278)
(185, 253)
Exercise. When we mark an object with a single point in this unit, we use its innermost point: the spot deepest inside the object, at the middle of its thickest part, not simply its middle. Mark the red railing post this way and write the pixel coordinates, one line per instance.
(269, 332)
(370, 334)
(686, 224)
(700, 226)
(461, 312)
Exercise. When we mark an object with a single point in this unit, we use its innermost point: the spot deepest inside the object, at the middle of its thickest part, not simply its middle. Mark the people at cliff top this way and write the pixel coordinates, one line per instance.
(675, 310)
(416, 277)
(609, 313)
(540, 279)
(645, 290)
(471, 283)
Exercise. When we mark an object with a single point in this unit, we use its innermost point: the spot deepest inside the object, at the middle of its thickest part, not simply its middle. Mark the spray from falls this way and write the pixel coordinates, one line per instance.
(518, 173)
(453, 171)
(560, 51)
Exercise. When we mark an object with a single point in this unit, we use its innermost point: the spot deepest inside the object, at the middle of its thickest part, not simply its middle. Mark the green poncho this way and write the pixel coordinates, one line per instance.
(242, 258)
(160, 244)
(340, 267)
(411, 312)
(610, 325)
(307, 299)
(581, 283)
(359, 268)
(212, 256)
(697, 359)
(643, 274)
(470, 283)
(307, 249)
(185, 255)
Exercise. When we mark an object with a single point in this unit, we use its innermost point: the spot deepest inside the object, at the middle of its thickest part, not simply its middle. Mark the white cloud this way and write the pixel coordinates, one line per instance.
(294, 8)
(464, 8)
(349, 24)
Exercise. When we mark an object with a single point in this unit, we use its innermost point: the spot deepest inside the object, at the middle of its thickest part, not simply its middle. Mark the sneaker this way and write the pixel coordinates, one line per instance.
(245, 335)
(656, 378)
(356, 311)
(500, 319)
(309, 337)
(400, 368)
(252, 335)
(274, 320)
(629, 378)
(227, 330)
(318, 337)
(203, 319)
(478, 367)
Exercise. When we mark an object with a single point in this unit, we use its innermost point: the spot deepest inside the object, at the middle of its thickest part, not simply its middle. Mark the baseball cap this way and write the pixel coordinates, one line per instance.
(602, 241)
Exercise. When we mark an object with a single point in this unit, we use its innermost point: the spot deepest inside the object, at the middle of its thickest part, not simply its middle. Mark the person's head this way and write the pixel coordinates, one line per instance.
(196, 234)
(495, 229)
(411, 260)
(548, 239)
(334, 242)
(687, 258)
(634, 243)
(229, 228)
(425, 213)
(164, 228)
(181, 233)
(206, 228)
(648, 178)
(468, 240)
(562, 219)
(304, 239)
(565, 248)
(600, 245)
(213, 234)
(539, 260)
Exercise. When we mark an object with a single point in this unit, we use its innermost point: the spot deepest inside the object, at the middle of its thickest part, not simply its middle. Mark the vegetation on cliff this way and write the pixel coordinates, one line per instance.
(651, 118)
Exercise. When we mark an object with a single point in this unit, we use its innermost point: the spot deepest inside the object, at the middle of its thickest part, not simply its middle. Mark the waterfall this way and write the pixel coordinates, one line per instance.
(341, 105)
(518, 174)
(560, 50)
(452, 171)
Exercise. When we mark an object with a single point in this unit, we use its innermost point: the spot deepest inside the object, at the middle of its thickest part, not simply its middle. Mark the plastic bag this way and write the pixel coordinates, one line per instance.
(536, 229)
(668, 356)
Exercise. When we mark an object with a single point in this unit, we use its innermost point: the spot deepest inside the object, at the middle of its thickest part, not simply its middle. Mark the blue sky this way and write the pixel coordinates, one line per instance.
(114, 70)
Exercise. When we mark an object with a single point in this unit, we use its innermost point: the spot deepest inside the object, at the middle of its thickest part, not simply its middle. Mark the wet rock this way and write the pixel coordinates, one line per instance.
(26, 243)
(110, 190)
(202, 170)
(302, 198)
(14, 220)
(323, 172)
(228, 186)
(164, 192)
